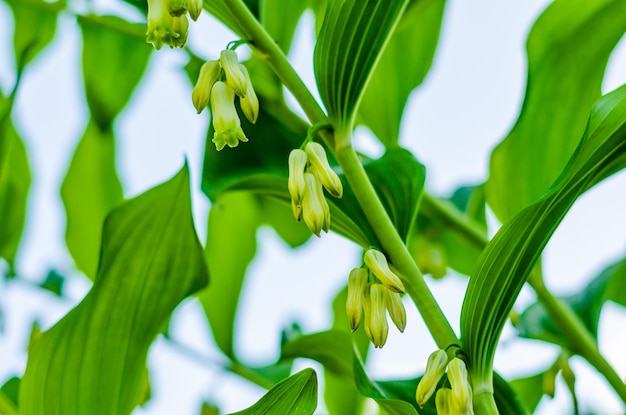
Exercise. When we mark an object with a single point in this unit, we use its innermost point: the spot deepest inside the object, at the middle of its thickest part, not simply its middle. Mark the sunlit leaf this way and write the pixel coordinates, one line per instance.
(568, 50)
(349, 45)
(230, 246)
(14, 185)
(509, 257)
(89, 191)
(93, 360)
(35, 26)
(114, 60)
(402, 67)
(9, 396)
(296, 395)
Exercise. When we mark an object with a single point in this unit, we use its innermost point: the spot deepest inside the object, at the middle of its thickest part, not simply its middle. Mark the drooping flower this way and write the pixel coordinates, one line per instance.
(435, 369)
(161, 30)
(315, 210)
(209, 74)
(296, 183)
(176, 7)
(225, 119)
(250, 102)
(377, 318)
(235, 77)
(319, 162)
(396, 310)
(357, 284)
(180, 25)
(461, 395)
(195, 8)
(377, 262)
(442, 402)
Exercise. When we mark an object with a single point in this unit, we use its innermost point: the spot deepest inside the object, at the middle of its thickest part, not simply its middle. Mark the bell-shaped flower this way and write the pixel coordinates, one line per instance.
(357, 284)
(181, 26)
(176, 7)
(225, 119)
(396, 310)
(319, 162)
(377, 262)
(250, 102)
(377, 318)
(315, 210)
(161, 30)
(442, 402)
(296, 183)
(195, 8)
(209, 74)
(461, 395)
(435, 369)
(234, 75)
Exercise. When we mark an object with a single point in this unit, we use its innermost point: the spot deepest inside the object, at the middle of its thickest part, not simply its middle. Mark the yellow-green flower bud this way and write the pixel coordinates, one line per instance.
(461, 395)
(376, 261)
(319, 163)
(176, 7)
(234, 75)
(250, 102)
(160, 25)
(357, 283)
(296, 183)
(435, 368)
(180, 25)
(225, 119)
(195, 8)
(315, 210)
(377, 319)
(442, 402)
(209, 73)
(396, 310)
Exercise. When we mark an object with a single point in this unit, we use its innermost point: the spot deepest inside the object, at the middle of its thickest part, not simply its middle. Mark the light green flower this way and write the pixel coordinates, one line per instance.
(250, 102)
(435, 369)
(396, 310)
(195, 8)
(315, 210)
(319, 162)
(225, 119)
(209, 74)
(461, 397)
(296, 183)
(161, 29)
(234, 75)
(357, 284)
(377, 263)
(376, 316)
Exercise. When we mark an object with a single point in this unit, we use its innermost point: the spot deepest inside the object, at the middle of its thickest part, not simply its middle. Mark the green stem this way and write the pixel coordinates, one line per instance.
(347, 158)
(485, 404)
(393, 245)
(564, 317)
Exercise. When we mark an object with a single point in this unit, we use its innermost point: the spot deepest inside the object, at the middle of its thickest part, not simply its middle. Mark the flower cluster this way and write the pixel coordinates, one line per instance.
(309, 171)
(167, 21)
(218, 83)
(375, 297)
(456, 400)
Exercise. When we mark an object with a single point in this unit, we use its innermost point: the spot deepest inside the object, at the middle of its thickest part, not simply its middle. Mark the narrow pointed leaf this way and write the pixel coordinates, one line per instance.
(114, 54)
(509, 257)
(402, 67)
(35, 27)
(89, 191)
(296, 395)
(568, 50)
(93, 360)
(230, 246)
(14, 185)
(350, 43)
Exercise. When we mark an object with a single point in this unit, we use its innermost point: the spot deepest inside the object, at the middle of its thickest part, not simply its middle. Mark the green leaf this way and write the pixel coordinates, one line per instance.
(9, 396)
(507, 401)
(535, 323)
(230, 246)
(529, 390)
(568, 50)
(333, 349)
(278, 215)
(350, 43)
(115, 56)
(296, 395)
(89, 191)
(93, 360)
(14, 185)
(402, 67)
(54, 283)
(35, 26)
(509, 257)
(280, 19)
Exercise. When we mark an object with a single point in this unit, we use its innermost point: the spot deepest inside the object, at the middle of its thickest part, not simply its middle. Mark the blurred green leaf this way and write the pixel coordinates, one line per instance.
(93, 360)
(14, 185)
(333, 349)
(568, 50)
(209, 409)
(529, 390)
(278, 215)
(54, 283)
(9, 395)
(402, 67)
(89, 191)
(349, 45)
(35, 27)
(280, 19)
(509, 257)
(115, 56)
(296, 395)
(535, 323)
(230, 246)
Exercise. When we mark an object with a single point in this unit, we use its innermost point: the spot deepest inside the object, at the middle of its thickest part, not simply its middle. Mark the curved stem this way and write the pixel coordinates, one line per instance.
(347, 158)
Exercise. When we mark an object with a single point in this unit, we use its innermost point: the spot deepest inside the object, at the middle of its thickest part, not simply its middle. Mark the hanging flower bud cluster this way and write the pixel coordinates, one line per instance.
(218, 83)
(455, 400)
(374, 291)
(309, 171)
(167, 21)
